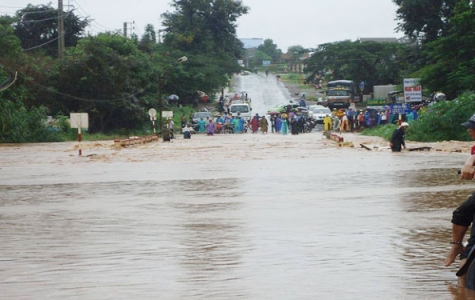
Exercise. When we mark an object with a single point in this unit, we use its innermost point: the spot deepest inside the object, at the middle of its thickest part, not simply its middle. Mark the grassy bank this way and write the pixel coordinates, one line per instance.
(295, 83)
(384, 131)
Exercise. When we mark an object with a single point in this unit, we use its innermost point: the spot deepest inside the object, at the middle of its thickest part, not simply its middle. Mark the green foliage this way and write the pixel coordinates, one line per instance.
(441, 122)
(38, 26)
(425, 19)
(112, 78)
(271, 51)
(384, 131)
(19, 125)
(449, 67)
(208, 28)
(438, 122)
(374, 63)
(105, 73)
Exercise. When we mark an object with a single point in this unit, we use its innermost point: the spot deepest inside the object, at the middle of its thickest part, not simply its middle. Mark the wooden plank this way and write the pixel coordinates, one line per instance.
(366, 147)
(420, 149)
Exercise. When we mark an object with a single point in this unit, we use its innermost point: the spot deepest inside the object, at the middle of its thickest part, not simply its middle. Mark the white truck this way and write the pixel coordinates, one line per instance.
(243, 108)
(381, 91)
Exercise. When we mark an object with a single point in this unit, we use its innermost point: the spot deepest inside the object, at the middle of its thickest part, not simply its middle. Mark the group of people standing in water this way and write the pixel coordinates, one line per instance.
(285, 123)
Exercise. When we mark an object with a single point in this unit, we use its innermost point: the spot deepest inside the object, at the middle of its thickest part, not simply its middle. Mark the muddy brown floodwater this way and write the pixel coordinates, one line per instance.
(226, 217)
(244, 216)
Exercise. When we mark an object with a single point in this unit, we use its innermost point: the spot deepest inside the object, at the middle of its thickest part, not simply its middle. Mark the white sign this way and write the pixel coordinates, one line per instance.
(152, 112)
(412, 90)
(265, 63)
(79, 120)
(167, 114)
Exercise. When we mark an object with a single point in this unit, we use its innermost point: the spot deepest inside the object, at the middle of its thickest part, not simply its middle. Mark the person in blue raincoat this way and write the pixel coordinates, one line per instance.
(278, 123)
(235, 123)
(241, 124)
(367, 119)
(285, 124)
(201, 126)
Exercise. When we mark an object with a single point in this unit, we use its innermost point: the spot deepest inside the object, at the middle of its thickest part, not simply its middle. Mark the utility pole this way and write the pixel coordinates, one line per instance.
(60, 29)
(126, 28)
(160, 101)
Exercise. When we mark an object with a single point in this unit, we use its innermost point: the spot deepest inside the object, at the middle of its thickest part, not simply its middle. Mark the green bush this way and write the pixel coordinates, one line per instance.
(19, 125)
(441, 121)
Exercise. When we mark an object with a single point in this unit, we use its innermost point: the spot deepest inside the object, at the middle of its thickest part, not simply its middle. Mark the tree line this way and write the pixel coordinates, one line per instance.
(116, 79)
(438, 48)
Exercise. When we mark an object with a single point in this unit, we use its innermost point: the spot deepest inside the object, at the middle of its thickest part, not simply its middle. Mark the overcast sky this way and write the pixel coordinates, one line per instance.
(287, 22)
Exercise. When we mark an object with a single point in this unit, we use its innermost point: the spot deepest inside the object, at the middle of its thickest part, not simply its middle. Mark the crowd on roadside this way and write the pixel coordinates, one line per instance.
(350, 120)
(288, 122)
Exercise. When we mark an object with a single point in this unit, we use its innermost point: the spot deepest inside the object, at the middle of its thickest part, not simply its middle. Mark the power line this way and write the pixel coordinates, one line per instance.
(10, 84)
(85, 99)
(55, 39)
(27, 78)
(35, 21)
(87, 14)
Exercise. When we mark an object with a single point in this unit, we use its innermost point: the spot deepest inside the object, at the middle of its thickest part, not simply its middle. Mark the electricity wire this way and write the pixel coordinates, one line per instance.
(10, 84)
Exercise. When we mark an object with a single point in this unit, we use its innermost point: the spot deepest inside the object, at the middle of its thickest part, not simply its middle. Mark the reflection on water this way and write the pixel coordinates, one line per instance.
(330, 227)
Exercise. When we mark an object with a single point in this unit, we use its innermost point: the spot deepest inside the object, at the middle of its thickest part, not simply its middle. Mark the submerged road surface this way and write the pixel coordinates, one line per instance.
(244, 216)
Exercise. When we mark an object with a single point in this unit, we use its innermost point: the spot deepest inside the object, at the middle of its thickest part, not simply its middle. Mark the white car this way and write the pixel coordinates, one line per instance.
(319, 112)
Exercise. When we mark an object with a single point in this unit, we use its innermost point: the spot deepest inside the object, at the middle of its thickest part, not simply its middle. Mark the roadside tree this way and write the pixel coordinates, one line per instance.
(37, 28)
(451, 57)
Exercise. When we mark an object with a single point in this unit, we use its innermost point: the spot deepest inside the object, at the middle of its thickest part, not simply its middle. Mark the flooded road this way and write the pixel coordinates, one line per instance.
(226, 217)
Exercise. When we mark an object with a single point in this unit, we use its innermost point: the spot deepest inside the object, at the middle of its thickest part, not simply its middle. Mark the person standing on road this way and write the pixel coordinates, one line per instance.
(294, 125)
(278, 123)
(397, 139)
(327, 123)
(285, 124)
(243, 125)
(273, 123)
(201, 125)
(166, 134)
(236, 124)
(336, 122)
(226, 104)
(344, 123)
(255, 123)
(463, 217)
(171, 125)
(187, 131)
(264, 125)
(350, 114)
(302, 101)
(210, 127)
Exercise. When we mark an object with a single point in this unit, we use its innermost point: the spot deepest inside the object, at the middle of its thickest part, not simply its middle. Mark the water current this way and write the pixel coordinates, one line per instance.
(227, 217)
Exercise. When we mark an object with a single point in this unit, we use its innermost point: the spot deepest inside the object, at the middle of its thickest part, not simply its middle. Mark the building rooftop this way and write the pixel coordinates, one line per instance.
(379, 39)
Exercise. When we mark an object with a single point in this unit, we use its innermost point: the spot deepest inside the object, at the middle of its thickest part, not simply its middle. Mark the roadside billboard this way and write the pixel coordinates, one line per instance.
(412, 90)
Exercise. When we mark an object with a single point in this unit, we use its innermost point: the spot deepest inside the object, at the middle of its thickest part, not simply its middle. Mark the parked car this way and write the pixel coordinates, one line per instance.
(201, 114)
(319, 112)
(280, 108)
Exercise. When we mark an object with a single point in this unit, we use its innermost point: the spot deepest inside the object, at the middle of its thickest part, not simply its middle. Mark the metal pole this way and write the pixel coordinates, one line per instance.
(79, 138)
(60, 29)
(159, 102)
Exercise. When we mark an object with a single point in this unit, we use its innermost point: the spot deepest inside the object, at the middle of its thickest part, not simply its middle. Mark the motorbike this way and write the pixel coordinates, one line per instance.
(228, 128)
(219, 127)
(309, 125)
